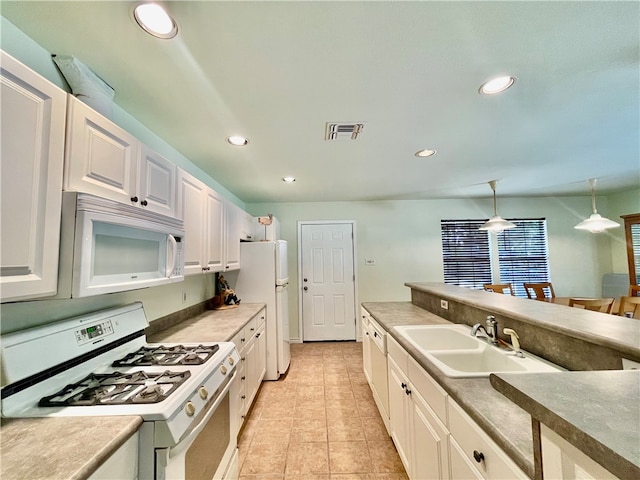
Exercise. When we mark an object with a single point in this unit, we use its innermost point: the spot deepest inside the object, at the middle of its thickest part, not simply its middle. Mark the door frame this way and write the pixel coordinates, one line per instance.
(356, 303)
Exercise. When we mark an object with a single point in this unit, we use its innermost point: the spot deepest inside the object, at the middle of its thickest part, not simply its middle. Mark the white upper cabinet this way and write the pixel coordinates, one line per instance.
(105, 160)
(214, 239)
(157, 179)
(234, 216)
(191, 209)
(32, 152)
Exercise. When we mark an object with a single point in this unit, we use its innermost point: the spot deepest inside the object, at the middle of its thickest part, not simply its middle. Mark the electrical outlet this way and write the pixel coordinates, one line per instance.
(369, 262)
(184, 296)
(444, 304)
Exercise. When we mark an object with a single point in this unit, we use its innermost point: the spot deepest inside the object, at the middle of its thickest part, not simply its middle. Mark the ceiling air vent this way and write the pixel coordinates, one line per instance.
(343, 131)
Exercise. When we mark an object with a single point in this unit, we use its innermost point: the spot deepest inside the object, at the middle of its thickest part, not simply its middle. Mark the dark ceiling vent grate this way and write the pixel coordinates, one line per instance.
(343, 131)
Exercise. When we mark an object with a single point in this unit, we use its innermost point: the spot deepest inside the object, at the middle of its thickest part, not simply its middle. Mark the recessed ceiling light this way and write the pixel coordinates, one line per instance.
(288, 179)
(155, 20)
(237, 140)
(497, 85)
(425, 153)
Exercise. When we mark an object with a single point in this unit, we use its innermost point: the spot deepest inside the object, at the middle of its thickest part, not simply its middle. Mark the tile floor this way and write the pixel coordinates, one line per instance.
(319, 422)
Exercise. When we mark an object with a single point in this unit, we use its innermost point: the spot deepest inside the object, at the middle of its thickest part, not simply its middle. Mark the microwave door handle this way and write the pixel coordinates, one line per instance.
(171, 265)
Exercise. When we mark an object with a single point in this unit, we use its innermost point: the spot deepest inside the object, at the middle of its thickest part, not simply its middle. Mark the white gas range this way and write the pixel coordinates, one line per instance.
(100, 364)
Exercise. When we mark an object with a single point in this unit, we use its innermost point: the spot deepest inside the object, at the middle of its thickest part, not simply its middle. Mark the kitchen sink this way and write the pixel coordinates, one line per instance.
(457, 354)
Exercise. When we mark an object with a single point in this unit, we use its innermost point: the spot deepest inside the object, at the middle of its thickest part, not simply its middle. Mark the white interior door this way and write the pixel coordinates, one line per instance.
(328, 282)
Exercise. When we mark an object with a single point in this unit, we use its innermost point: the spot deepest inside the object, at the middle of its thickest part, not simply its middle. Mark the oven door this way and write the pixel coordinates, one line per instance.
(207, 452)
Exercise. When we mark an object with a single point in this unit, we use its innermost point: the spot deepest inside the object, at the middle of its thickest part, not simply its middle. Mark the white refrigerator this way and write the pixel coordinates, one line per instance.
(263, 278)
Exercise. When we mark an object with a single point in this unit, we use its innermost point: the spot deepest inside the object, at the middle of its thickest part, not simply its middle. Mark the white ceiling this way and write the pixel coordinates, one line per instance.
(276, 72)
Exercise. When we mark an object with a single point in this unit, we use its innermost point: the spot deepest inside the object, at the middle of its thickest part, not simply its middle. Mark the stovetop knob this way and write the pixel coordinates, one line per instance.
(189, 409)
(231, 361)
(203, 393)
(223, 369)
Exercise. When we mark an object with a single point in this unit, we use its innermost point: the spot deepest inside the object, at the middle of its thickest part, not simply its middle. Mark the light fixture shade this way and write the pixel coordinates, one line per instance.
(497, 224)
(596, 224)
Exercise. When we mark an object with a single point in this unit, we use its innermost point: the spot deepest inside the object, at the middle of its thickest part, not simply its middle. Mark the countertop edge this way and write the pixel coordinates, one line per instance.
(602, 454)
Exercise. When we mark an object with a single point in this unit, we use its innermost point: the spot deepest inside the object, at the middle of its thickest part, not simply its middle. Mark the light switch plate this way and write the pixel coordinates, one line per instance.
(444, 304)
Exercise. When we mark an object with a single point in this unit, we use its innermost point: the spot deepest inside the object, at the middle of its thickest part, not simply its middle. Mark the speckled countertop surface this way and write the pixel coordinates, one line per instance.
(209, 326)
(60, 447)
(506, 423)
(596, 411)
(74, 447)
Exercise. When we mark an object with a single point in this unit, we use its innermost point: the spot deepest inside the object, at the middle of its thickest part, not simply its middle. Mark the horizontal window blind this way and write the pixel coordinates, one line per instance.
(523, 254)
(465, 252)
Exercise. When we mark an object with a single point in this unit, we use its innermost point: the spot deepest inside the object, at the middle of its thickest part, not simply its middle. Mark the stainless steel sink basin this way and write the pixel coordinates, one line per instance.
(453, 350)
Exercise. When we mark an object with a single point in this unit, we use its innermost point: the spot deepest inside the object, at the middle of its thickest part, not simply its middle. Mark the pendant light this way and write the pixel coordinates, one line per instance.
(496, 224)
(595, 223)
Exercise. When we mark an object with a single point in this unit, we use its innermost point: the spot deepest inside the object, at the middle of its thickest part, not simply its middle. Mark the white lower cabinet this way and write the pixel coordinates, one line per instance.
(434, 437)
(478, 449)
(122, 464)
(366, 344)
(251, 345)
(375, 360)
(421, 438)
(561, 460)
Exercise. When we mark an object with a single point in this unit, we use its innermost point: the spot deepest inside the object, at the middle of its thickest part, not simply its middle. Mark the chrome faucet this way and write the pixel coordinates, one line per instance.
(491, 330)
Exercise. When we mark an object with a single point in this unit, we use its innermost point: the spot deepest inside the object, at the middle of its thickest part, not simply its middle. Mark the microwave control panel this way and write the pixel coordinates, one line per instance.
(98, 330)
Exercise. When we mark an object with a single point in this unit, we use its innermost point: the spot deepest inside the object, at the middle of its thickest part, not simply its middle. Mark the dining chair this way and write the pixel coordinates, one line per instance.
(629, 305)
(634, 290)
(604, 305)
(539, 290)
(498, 287)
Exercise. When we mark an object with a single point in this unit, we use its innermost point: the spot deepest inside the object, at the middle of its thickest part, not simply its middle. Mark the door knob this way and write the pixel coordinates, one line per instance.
(304, 280)
(306, 288)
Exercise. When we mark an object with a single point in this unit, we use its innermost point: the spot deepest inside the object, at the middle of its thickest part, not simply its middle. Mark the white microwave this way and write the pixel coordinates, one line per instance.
(108, 247)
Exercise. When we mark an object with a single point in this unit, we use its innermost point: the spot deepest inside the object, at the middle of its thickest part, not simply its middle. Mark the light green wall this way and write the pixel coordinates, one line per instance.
(403, 237)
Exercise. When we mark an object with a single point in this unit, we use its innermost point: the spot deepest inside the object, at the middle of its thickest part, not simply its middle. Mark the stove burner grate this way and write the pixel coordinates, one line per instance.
(117, 389)
(167, 355)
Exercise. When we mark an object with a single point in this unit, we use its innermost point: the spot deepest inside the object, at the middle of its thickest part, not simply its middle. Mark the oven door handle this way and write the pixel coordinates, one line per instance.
(190, 435)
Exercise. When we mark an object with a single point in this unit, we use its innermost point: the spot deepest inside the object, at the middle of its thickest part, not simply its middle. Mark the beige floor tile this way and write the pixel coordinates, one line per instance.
(338, 392)
(342, 408)
(309, 430)
(264, 458)
(303, 458)
(366, 407)
(322, 399)
(384, 456)
(374, 429)
(349, 457)
(345, 429)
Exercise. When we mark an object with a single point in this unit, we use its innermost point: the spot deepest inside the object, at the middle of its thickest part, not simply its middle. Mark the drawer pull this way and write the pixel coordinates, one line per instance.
(404, 386)
(479, 456)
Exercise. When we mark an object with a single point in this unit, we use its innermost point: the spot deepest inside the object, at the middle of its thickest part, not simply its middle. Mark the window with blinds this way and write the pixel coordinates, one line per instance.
(466, 253)
(522, 254)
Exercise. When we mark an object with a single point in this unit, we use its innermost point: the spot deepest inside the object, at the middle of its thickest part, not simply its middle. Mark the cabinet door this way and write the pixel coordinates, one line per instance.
(156, 182)
(101, 157)
(252, 370)
(247, 221)
(214, 236)
(399, 405)
(461, 467)
(430, 441)
(261, 353)
(191, 207)
(233, 224)
(366, 345)
(32, 152)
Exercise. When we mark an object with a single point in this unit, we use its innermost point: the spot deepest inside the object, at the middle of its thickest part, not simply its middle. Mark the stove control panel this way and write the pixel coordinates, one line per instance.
(89, 334)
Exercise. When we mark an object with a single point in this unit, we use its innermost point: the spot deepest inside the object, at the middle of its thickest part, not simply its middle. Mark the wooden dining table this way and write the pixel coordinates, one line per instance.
(565, 301)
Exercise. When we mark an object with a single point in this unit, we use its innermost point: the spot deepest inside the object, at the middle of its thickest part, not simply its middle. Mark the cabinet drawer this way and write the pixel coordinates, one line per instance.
(433, 393)
(251, 328)
(398, 353)
(470, 437)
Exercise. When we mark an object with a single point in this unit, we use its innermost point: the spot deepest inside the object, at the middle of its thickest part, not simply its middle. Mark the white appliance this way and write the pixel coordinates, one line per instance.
(266, 228)
(108, 247)
(100, 364)
(264, 278)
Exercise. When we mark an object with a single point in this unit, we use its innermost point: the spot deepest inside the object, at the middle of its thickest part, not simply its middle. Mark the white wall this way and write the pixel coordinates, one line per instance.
(403, 237)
